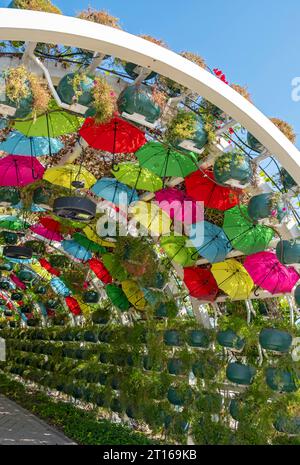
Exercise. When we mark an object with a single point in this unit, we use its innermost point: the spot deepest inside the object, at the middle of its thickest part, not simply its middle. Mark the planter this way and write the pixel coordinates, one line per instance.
(116, 406)
(254, 143)
(264, 206)
(287, 180)
(6, 267)
(104, 357)
(161, 311)
(33, 322)
(105, 337)
(17, 251)
(177, 397)
(150, 366)
(136, 103)
(25, 309)
(75, 208)
(52, 303)
(42, 196)
(20, 109)
(99, 399)
(5, 285)
(198, 141)
(26, 276)
(273, 339)
(234, 409)
(240, 374)
(262, 308)
(280, 380)
(198, 338)
(67, 93)
(102, 379)
(9, 237)
(233, 169)
(230, 339)
(91, 297)
(173, 338)
(9, 196)
(16, 296)
(100, 317)
(288, 252)
(134, 70)
(90, 336)
(40, 290)
(290, 426)
(115, 383)
(175, 366)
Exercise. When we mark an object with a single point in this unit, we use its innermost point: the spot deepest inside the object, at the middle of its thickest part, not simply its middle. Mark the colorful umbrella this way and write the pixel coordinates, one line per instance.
(201, 185)
(116, 136)
(134, 294)
(151, 217)
(50, 224)
(139, 178)
(18, 144)
(210, 241)
(33, 207)
(40, 230)
(233, 279)
(179, 206)
(19, 171)
(179, 249)
(89, 245)
(114, 191)
(76, 250)
(201, 283)
(59, 287)
(65, 175)
(165, 161)
(12, 223)
(91, 234)
(48, 267)
(100, 270)
(246, 236)
(117, 297)
(268, 273)
(114, 266)
(54, 123)
(41, 271)
(73, 305)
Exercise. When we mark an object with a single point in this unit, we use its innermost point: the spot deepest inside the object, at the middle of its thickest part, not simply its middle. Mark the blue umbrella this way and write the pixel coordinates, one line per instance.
(59, 287)
(76, 250)
(33, 207)
(18, 144)
(210, 241)
(20, 260)
(114, 191)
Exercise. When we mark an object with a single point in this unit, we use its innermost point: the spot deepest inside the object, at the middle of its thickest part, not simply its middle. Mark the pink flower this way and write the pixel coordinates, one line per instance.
(274, 212)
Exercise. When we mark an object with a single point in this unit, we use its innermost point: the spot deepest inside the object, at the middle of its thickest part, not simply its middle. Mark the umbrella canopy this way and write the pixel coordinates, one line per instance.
(12, 223)
(179, 249)
(18, 144)
(40, 230)
(246, 236)
(19, 171)
(201, 185)
(116, 136)
(210, 241)
(65, 175)
(59, 287)
(100, 270)
(268, 273)
(201, 283)
(114, 266)
(76, 250)
(42, 272)
(54, 123)
(151, 217)
(165, 161)
(114, 191)
(233, 279)
(89, 245)
(134, 294)
(50, 224)
(117, 297)
(139, 178)
(91, 234)
(179, 206)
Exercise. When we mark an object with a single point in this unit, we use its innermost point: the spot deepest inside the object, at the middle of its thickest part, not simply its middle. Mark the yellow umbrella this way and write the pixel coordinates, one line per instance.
(134, 294)
(91, 234)
(37, 268)
(233, 279)
(85, 308)
(151, 217)
(67, 174)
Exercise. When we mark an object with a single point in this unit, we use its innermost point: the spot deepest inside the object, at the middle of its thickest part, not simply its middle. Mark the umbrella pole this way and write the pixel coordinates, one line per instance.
(114, 164)
(258, 286)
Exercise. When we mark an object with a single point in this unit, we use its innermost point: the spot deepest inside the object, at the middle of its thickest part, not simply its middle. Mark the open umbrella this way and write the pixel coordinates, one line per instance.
(117, 297)
(41, 271)
(91, 234)
(233, 279)
(19, 171)
(59, 287)
(151, 217)
(54, 123)
(89, 245)
(76, 250)
(210, 241)
(201, 283)
(246, 236)
(114, 191)
(201, 185)
(179, 206)
(100, 270)
(134, 294)
(50, 224)
(268, 273)
(179, 249)
(139, 178)
(40, 230)
(114, 266)
(165, 161)
(18, 144)
(116, 136)
(12, 223)
(65, 175)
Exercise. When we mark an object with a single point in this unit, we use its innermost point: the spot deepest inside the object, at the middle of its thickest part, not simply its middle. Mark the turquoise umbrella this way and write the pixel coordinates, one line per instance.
(114, 191)
(210, 241)
(76, 250)
(18, 144)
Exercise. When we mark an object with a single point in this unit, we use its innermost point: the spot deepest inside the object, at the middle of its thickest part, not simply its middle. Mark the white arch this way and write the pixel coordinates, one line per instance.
(51, 28)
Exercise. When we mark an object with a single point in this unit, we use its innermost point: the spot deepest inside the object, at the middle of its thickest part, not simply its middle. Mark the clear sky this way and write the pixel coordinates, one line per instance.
(255, 42)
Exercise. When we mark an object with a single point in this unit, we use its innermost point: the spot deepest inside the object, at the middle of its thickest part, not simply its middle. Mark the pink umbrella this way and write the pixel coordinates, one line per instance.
(19, 171)
(44, 232)
(268, 273)
(17, 281)
(179, 206)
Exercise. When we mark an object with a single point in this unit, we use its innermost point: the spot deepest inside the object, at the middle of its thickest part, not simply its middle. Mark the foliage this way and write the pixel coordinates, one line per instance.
(195, 58)
(37, 5)
(243, 91)
(154, 40)
(100, 17)
(182, 126)
(285, 128)
(104, 100)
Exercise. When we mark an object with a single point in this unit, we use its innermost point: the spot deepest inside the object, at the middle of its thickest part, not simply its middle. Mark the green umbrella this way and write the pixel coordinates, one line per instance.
(117, 297)
(139, 178)
(13, 223)
(179, 249)
(115, 268)
(54, 123)
(81, 239)
(164, 161)
(243, 234)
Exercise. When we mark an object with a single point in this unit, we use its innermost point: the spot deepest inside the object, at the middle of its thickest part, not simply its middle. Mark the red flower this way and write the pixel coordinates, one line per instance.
(220, 75)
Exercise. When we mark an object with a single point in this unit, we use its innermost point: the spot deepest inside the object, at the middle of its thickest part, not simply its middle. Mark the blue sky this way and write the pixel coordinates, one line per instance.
(256, 43)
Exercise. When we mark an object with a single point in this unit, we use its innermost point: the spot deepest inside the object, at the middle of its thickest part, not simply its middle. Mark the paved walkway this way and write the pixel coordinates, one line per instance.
(20, 427)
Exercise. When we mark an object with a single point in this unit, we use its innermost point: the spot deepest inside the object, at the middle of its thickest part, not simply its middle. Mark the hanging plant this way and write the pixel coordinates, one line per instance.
(195, 58)
(100, 17)
(242, 90)
(285, 128)
(103, 100)
(37, 5)
(182, 126)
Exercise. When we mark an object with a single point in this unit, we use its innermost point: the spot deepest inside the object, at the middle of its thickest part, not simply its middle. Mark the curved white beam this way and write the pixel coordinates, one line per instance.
(51, 28)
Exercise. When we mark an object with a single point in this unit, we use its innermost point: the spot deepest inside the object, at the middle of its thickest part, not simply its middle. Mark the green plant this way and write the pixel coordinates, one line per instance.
(100, 17)
(182, 126)
(37, 5)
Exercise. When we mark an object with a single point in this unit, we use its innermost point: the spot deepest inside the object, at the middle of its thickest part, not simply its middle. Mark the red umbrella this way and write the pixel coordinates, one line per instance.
(19, 171)
(73, 305)
(100, 271)
(117, 136)
(202, 186)
(45, 264)
(51, 224)
(17, 281)
(201, 283)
